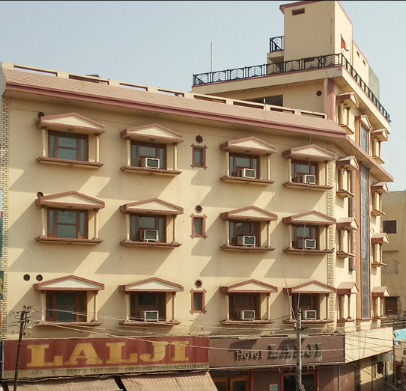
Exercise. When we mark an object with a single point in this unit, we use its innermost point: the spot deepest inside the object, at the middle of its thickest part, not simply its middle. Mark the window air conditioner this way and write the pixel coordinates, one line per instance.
(246, 315)
(150, 235)
(309, 179)
(150, 316)
(150, 162)
(246, 240)
(310, 314)
(310, 243)
(248, 173)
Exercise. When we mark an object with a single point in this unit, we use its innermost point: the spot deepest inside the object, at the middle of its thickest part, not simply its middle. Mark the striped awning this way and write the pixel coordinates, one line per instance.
(69, 385)
(200, 381)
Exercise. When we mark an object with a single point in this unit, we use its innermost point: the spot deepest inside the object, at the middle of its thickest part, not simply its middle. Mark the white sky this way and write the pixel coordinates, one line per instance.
(163, 43)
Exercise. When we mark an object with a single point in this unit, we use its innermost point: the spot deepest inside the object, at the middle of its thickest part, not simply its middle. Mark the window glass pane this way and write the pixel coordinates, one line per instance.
(198, 225)
(198, 155)
(303, 232)
(146, 299)
(239, 385)
(146, 222)
(197, 300)
(51, 222)
(70, 154)
(134, 161)
(82, 149)
(161, 228)
(364, 138)
(242, 300)
(51, 145)
(66, 217)
(148, 151)
(65, 305)
(83, 224)
(67, 141)
(67, 231)
(305, 300)
(365, 242)
(389, 226)
(50, 306)
(242, 161)
(161, 157)
(302, 168)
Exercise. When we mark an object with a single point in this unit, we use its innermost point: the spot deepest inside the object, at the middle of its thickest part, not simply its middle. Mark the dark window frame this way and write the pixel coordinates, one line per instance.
(195, 162)
(313, 234)
(54, 145)
(297, 174)
(390, 226)
(136, 307)
(195, 233)
(52, 223)
(53, 309)
(253, 230)
(198, 308)
(254, 163)
(160, 153)
(136, 229)
(235, 304)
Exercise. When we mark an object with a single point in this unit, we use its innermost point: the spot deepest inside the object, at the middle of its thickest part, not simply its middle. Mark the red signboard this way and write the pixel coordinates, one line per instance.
(90, 356)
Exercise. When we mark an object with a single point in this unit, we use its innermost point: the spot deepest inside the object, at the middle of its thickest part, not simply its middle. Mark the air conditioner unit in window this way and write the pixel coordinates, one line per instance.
(246, 240)
(150, 316)
(248, 173)
(310, 243)
(150, 162)
(309, 179)
(150, 235)
(246, 315)
(310, 314)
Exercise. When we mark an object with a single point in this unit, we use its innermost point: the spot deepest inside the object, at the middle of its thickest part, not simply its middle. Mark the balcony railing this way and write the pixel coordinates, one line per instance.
(277, 44)
(303, 64)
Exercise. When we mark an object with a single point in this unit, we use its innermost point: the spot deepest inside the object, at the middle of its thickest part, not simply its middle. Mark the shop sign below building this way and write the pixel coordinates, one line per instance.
(91, 356)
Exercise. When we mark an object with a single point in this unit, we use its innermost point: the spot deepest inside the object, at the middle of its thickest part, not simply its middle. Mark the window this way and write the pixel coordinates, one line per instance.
(148, 155)
(198, 301)
(346, 293)
(199, 156)
(66, 306)
(346, 227)
(304, 172)
(148, 228)
(69, 146)
(346, 167)
(69, 299)
(244, 233)
(312, 299)
(391, 306)
(308, 167)
(309, 233)
(246, 229)
(304, 237)
(198, 226)
(379, 295)
(151, 149)
(365, 128)
(377, 190)
(377, 137)
(150, 301)
(248, 160)
(236, 383)
(75, 222)
(67, 223)
(244, 165)
(70, 139)
(151, 223)
(147, 306)
(377, 240)
(242, 303)
(389, 226)
(248, 301)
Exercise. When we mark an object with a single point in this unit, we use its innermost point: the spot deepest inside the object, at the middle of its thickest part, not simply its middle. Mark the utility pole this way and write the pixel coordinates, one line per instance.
(299, 384)
(23, 324)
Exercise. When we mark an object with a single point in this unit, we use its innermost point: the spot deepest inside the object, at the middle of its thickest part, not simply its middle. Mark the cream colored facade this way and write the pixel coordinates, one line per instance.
(201, 201)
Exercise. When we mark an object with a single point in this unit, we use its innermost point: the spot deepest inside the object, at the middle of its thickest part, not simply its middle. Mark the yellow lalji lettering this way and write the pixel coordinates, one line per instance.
(180, 350)
(84, 351)
(38, 357)
(116, 354)
(159, 352)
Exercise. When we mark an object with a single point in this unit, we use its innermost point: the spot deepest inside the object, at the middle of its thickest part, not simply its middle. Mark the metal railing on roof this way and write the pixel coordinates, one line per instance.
(303, 64)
